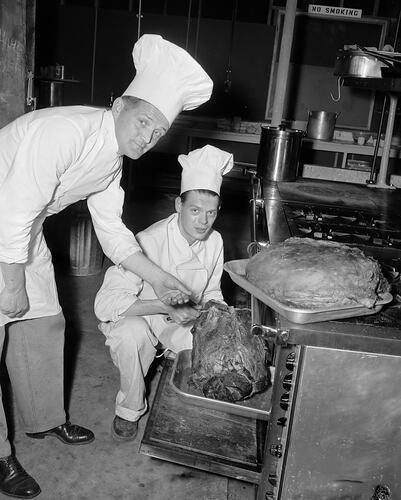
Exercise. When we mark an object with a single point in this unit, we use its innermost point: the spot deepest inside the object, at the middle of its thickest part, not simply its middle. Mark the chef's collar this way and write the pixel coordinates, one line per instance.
(109, 126)
(179, 237)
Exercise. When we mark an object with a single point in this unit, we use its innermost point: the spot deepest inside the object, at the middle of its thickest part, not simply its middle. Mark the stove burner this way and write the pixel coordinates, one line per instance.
(343, 225)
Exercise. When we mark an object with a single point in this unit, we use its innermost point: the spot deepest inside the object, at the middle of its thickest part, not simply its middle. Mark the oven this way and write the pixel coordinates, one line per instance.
(334, 426)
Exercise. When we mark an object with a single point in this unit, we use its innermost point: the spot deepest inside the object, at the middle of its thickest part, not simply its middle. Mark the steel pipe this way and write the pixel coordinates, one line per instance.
(284, 63)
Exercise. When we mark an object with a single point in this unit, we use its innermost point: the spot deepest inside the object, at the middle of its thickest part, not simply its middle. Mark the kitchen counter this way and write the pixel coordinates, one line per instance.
(322, 192)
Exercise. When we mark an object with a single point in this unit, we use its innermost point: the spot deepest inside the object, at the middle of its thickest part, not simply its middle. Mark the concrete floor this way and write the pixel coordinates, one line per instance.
(106, 469)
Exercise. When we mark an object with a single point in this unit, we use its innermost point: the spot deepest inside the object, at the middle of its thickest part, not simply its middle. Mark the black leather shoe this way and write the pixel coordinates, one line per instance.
(124, 430)
(67, 433)
(15, 481)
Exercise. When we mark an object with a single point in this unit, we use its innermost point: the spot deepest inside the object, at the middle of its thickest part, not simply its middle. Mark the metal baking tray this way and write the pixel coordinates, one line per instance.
(236, 270)
(257, 407)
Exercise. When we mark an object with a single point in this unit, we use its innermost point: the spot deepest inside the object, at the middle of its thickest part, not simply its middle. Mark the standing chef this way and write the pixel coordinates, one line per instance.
(49, 159)
(134, 322)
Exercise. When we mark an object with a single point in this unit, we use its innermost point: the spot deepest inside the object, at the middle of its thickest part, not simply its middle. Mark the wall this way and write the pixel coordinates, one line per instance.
(16, 53)
(66, 35)
(311, 80)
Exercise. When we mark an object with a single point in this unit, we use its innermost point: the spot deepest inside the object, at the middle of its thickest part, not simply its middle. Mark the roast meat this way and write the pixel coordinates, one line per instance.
(314, 274)
(228, 362)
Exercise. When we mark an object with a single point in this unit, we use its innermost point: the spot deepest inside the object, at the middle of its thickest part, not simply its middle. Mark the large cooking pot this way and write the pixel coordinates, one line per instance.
(279, 153)
(321, 125)
(359, 63)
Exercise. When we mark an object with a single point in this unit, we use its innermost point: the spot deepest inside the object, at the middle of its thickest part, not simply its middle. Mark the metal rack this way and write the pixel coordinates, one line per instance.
(392, 87)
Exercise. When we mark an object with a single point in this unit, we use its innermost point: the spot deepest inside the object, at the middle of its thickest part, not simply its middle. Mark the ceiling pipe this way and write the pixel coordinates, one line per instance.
(283, 63)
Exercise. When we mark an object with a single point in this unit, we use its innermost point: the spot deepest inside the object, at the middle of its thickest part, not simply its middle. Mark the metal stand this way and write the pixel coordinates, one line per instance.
(372, 176)
(392, 87)
(381, 181)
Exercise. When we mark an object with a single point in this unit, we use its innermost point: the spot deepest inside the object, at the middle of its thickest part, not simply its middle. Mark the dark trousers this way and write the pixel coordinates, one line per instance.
(35, 365)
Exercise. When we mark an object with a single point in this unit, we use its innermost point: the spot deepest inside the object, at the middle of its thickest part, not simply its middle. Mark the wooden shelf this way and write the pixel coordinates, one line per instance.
(347, 147)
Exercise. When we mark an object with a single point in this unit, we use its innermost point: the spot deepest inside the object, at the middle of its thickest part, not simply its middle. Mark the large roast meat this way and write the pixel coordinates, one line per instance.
(313, 274)
(228, 362)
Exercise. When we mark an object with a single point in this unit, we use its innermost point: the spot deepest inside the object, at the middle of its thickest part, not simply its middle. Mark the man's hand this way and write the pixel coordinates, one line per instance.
(14, 303)
(183, 314)
(13, 298)
(170, 290)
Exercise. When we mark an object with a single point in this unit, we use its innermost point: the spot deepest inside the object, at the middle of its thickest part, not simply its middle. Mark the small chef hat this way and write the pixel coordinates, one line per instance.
(168, 77)
(204, 168)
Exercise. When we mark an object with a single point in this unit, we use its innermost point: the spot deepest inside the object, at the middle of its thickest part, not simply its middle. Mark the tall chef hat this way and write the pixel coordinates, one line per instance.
(204, 168)
(168, 77)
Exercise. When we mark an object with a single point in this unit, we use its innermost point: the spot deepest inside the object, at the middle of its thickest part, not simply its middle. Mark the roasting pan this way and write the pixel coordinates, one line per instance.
(257, 406)
(236, 270)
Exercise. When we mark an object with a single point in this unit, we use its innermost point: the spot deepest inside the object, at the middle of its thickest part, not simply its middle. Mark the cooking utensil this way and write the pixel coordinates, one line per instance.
(358, 63)
(257, 407)
(236, 270)
(321, 125)
(279, 153)
(384, 56)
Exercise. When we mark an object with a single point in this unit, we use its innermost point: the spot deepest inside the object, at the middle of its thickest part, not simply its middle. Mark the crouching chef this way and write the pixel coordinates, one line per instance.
(49, 159)
(134, 321)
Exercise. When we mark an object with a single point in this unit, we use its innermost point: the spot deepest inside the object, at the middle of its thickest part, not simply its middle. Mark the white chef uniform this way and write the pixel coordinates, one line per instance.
(54, 157)
(38, 180)
(50, 159)
(133, 340)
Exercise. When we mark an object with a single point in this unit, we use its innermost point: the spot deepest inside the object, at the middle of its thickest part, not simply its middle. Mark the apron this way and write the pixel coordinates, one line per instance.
(39, 279)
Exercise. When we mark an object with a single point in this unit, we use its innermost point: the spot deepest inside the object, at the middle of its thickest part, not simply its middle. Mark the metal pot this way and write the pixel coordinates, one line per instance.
(356, 62)
(321, 125)
(279, 153)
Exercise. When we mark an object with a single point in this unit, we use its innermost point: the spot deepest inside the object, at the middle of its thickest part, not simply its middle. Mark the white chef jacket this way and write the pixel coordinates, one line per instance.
(49, 159)
(199, 266)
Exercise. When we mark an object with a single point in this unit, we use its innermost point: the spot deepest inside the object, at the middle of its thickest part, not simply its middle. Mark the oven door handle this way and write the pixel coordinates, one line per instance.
(279, 336)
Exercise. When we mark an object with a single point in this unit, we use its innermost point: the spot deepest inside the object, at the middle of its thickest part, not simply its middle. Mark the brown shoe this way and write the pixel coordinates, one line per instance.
(124, 430)
(15, 481)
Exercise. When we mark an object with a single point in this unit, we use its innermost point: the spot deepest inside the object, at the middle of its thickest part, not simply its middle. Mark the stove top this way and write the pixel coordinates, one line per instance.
(377, 234)
(356, 227)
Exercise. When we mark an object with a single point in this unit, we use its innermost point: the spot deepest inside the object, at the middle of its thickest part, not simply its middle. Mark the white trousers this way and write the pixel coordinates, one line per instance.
(133, 343)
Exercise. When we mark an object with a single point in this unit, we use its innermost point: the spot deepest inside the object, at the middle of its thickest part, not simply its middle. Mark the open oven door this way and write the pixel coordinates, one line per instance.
(209, 438)
(204, 438)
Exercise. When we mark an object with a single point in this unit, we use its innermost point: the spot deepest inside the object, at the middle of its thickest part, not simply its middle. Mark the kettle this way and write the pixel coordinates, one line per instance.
(321, 125)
